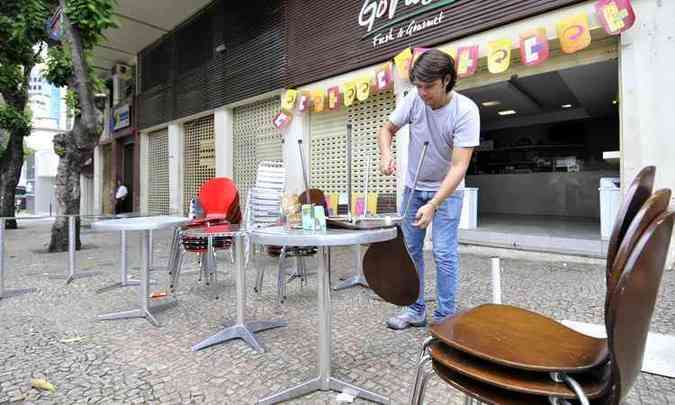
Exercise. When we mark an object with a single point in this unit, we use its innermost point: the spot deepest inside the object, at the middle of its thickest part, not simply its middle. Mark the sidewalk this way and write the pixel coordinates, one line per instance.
(131, 362)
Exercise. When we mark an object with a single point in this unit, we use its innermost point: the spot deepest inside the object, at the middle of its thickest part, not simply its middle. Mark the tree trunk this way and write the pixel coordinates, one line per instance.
(76, 147)
(11, 161)
(67, 194)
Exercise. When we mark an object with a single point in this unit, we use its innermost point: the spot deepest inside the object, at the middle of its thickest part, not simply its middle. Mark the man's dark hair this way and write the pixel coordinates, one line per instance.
(433, 65)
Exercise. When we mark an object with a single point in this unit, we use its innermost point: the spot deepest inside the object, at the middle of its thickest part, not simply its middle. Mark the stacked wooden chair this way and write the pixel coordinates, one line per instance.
(500, 354)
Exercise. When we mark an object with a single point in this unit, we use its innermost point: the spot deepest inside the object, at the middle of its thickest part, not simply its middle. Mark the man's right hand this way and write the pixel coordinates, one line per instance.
(387, 164)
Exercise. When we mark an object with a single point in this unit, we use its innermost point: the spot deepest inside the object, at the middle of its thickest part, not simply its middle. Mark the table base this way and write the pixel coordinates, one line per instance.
(243, 331)
(131, 314)
(319, 384)
(351, 282)
(119, 284)
(72, 277)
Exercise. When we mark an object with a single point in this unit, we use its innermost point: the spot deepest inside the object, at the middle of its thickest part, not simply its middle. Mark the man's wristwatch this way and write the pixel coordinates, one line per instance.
(433, 203)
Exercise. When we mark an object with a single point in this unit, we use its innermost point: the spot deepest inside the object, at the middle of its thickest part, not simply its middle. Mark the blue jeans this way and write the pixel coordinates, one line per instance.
(445, 248)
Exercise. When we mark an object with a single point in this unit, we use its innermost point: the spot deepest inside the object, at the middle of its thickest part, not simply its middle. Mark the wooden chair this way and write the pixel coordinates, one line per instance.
(499, 354)
(479, 334)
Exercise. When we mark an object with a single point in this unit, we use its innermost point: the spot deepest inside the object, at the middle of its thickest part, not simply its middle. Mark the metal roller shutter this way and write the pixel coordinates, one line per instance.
(255, 140)
(158, 172)
(328, 149)
(199, 163)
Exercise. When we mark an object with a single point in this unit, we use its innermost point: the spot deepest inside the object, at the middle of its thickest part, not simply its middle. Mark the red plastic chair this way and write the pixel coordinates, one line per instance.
(219, 198)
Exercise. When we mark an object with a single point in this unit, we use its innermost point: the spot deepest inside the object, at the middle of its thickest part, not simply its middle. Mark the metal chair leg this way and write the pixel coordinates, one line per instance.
(177, 267)
(420, 379)
(423, 388)
(260, 272)
(281, 277)
(425, 346)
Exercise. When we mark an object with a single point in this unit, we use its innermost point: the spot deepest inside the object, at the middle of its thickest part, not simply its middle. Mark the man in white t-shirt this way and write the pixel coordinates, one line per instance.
(450, 122)
(120, 196)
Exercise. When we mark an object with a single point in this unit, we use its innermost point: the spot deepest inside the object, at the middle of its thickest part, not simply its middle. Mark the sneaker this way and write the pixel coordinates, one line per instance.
(406, 319)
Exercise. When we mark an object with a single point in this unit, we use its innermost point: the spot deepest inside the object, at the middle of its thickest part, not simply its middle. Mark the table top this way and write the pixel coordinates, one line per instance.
(278, 235)
(215, 230)
(139, 223)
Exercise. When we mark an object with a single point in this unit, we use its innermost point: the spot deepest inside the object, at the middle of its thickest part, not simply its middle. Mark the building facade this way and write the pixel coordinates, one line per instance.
(555, 120)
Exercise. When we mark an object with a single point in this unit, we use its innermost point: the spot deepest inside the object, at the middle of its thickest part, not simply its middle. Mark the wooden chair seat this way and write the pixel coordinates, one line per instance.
(490, 394)
(515, 337)
(594, 383)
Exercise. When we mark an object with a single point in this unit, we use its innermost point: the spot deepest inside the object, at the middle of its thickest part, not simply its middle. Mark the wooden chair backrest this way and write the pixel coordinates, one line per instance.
(632, 304)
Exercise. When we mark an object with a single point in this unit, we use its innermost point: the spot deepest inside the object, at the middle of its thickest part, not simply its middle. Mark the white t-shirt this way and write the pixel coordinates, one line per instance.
(121, 192)
(455, 124)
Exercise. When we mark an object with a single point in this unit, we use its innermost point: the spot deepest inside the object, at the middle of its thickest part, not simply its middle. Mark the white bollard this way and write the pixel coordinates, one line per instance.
(496, 281)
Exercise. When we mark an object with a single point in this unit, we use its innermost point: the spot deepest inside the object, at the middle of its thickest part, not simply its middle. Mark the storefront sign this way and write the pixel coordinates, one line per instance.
(573, 32)
(121, 117)
(394, 12)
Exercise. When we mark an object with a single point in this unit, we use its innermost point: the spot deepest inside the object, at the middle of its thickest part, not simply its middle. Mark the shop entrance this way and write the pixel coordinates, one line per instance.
(545, 143)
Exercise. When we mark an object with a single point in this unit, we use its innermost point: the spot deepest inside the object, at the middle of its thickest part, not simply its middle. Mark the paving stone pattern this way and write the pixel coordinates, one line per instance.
(132, 362)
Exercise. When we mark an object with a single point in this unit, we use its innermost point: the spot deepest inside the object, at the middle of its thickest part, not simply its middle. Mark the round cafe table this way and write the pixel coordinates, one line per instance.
(145, 225)
(279, 236)
(241, 329)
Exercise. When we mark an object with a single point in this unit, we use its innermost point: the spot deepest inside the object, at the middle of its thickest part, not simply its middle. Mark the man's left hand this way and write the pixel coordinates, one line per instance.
(424, 216)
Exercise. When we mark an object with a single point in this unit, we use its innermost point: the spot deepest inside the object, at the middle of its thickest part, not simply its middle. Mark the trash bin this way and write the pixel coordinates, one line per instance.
(610, 200)
(469, 217)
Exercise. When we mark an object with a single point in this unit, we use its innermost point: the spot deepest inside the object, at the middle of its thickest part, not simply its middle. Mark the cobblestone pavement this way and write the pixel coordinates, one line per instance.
(132, 362)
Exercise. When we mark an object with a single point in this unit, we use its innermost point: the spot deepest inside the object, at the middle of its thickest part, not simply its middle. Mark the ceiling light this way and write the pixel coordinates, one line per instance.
(506, 112)
(491, 103)
(566, 106)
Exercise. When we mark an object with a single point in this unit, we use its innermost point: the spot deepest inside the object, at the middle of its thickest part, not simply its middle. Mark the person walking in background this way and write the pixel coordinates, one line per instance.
(121, 193)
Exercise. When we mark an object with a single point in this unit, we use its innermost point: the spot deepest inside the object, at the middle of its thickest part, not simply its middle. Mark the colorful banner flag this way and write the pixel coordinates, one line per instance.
(349, 93)
(282, 119)
(372, 203)
(304, 101)
(288, 100)
(616, 16)
(450, 51)
(363, 88)
(334, 98)
(499, 55)
(573, 33)
(383, 78)
(534, 47)
(467, 61)
(333, 204)
(319, 100)
(402, 61)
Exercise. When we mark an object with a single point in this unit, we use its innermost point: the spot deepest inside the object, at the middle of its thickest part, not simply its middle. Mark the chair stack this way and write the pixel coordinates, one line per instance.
(501, 354)
(219, 198)
(264, 209)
